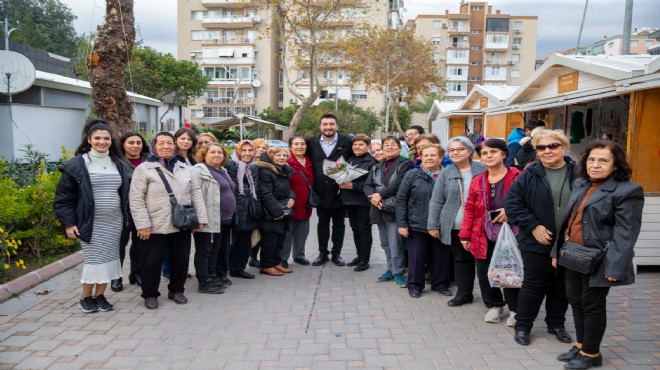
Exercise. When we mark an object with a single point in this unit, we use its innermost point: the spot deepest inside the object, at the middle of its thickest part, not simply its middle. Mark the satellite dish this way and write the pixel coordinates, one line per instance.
(17, 73)
(256, 82)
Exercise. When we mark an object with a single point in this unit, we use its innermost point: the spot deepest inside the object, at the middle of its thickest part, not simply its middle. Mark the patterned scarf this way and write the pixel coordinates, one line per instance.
(433, 176)
(244, 171)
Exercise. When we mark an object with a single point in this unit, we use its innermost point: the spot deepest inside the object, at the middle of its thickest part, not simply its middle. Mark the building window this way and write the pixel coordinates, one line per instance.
(477, 8)
(497, 38)
(457, 54)
(436, 40)
(648, 43)
(196, 113)
(476, 32)
(515, 73)
(456, 86)
(359, 95)
(436, 24)
(517, 41)
(456, 71)
(517, 26)
(475, 47)
(633, 43)
(497, 25)
(515, 57)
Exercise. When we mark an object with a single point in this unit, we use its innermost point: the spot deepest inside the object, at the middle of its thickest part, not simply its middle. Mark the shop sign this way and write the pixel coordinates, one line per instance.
(567, 82)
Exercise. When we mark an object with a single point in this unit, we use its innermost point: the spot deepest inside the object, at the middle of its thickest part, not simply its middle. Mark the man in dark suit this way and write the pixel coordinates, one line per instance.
(328, 145)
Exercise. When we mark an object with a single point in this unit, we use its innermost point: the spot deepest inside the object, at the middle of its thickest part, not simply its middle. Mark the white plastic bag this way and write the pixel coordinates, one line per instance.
(506, 266)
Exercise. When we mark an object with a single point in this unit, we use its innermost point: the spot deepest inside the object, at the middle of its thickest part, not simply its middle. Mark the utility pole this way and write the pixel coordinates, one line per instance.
(627, 26)
(7, 32)
(584, 14)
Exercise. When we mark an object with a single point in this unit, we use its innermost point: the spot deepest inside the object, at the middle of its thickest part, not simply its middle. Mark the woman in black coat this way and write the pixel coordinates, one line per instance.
(245, 175)
(605, 212)
(536, 203)
(277, 200)
(91, 202)
(357, 204)
(412, 214)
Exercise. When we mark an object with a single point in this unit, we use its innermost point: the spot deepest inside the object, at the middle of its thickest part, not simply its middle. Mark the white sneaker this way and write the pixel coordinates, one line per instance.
(494, 314)
(511, 321)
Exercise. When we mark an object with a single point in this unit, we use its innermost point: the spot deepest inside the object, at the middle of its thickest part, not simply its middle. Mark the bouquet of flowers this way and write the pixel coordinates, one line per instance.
(341, 171)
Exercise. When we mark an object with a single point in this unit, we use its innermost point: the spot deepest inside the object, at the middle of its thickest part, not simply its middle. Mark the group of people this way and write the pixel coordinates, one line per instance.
(435, 209)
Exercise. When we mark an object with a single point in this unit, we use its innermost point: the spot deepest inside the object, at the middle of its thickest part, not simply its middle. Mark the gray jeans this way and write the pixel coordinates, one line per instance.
(392, 243)
(295, 237)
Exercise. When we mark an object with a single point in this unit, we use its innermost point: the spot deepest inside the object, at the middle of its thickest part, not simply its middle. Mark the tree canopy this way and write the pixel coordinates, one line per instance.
(42, 24)
(404, 68)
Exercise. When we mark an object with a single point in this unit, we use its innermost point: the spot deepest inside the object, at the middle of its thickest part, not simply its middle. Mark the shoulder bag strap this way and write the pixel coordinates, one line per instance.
(309, 186)
(167, 185)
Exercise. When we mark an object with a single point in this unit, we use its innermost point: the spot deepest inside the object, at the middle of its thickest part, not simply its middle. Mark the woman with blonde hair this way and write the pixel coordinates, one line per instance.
(277, 199)
(218, 192)
(536, 204)
(204, 139)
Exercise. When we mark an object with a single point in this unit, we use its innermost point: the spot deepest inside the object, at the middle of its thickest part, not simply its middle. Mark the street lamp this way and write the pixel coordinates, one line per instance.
(7, 32)
(240, 117)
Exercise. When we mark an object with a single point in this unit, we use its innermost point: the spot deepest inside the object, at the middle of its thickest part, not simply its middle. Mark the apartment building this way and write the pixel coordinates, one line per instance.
(233, 45)
(334, 81)
(479, 46)
(225, 38)
(641, 40)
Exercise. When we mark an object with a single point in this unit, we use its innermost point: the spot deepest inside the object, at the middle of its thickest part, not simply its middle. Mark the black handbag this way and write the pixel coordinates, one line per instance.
(184, 217)
(580, 258)
(286, 211)
(584, 260)
(313, 201)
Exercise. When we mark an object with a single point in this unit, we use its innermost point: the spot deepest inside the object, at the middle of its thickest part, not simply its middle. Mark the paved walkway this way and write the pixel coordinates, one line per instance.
(317, 317)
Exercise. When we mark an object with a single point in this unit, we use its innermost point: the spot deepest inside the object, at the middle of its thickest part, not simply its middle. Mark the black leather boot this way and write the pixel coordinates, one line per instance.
(116, 285)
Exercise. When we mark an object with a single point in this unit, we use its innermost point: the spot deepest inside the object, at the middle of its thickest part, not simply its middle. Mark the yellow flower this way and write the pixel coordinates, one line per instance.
(17, 265)
(6, 266)
(21, 262)
(23, 267)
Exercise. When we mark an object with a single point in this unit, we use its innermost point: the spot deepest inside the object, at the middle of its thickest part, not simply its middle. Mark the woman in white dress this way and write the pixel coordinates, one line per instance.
(91, 202)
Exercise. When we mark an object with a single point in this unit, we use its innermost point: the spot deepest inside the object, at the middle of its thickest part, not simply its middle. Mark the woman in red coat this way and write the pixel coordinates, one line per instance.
(485, 203)
(301, 183)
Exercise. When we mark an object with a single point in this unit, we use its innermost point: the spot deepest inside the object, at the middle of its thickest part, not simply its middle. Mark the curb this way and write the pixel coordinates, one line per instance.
(34, 278)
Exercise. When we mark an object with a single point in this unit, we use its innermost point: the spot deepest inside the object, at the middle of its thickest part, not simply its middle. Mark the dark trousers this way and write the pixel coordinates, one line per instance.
(222, 264)
(464, 268)
(323, 229)
(589, 310)
(240, 251)
(421, 244)
(207, 246)
(271, 248)
(493, 296)
(541, 281)
(358, 218)
(254, 253)
(134, 252)
(153, 250)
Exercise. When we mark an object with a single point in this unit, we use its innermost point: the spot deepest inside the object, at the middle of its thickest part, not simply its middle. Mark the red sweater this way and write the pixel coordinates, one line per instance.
(472, 227)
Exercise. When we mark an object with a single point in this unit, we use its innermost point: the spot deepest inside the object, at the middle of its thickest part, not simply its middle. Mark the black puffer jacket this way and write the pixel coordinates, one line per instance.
(413, 199)
(74, 197)
(529, 204)
(355, 196)
(386, 186)
(248, 209)
(526, 155)
(274, 190)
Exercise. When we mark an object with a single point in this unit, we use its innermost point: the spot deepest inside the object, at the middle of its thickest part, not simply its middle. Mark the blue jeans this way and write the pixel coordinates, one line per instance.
(392, 243)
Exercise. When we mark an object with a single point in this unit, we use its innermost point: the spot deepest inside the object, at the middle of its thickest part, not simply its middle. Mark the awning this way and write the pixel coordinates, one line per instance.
(559, 101)
(466, 112)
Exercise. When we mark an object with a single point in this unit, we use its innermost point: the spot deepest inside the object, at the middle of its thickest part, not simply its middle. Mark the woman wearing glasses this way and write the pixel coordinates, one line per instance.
(446, 213)
(536, 204)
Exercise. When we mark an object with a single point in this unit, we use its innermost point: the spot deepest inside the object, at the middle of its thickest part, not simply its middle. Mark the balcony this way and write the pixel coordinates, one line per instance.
(233, 81)
(226, 100)
(231, 22)
(456, 77)
(225, 40)
(460, 45)
(224, 3)
(458, 30)
(456, 93)
(458, 58)
(495, 74)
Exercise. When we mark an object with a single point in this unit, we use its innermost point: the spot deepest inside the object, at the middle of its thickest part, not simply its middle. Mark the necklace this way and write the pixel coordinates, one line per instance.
(303, 161)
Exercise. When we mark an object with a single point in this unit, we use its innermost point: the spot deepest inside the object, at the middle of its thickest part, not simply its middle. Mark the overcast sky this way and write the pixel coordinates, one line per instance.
(558, 25)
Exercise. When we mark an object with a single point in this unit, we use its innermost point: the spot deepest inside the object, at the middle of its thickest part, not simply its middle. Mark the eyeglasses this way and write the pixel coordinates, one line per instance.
(456, 150)
(390, 146)
(552, 146)
(412, 134)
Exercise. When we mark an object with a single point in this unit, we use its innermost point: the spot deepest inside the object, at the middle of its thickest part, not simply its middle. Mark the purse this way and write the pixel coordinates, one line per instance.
(580, 258)
(184, 217)
(491, 229)
(313, 201)
(286, 211)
